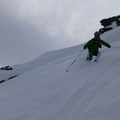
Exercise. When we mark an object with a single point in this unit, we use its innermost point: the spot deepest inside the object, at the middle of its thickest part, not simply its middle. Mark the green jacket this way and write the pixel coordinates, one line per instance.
(93, 45)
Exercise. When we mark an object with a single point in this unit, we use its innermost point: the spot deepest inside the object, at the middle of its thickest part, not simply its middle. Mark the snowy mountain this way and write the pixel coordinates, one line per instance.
(43, 90)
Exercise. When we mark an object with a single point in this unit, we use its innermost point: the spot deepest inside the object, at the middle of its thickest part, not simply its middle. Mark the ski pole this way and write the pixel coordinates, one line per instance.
(116, 47)
(74, 60)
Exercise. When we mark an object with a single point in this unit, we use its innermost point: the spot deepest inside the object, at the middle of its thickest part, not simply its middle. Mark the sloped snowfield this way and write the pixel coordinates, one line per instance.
(45, 91)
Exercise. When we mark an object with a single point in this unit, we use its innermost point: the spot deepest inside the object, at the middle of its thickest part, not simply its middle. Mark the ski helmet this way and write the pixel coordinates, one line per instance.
(97, 33)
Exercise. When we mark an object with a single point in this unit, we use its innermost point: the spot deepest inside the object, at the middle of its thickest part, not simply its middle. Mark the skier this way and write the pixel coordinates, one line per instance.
(93, 46)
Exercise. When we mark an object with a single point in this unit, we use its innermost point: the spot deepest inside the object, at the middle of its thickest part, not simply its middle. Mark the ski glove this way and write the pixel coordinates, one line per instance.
(109, 46)
(84, 47)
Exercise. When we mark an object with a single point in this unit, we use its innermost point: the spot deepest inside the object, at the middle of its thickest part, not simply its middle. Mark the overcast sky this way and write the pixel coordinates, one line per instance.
(29, 28)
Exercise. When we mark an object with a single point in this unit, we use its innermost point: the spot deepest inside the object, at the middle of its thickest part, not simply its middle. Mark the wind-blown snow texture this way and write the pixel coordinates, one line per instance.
(45, 91)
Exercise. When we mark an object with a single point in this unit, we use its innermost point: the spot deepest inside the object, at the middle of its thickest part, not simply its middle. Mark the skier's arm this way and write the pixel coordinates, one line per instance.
(87, 44)
(105, 44)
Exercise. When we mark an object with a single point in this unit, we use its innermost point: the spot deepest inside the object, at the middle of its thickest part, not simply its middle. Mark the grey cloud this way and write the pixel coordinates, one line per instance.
(20, 42)
(29, 28)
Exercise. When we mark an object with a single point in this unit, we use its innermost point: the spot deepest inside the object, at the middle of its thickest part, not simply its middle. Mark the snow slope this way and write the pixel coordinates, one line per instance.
(45, 91)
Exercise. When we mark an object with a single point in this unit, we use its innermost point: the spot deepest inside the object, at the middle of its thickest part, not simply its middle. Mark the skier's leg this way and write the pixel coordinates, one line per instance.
(89, 56)
(98, 56)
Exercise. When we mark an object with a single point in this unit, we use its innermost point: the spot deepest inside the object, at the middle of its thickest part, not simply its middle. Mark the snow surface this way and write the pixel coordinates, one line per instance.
(45, 91)
(114, 25)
